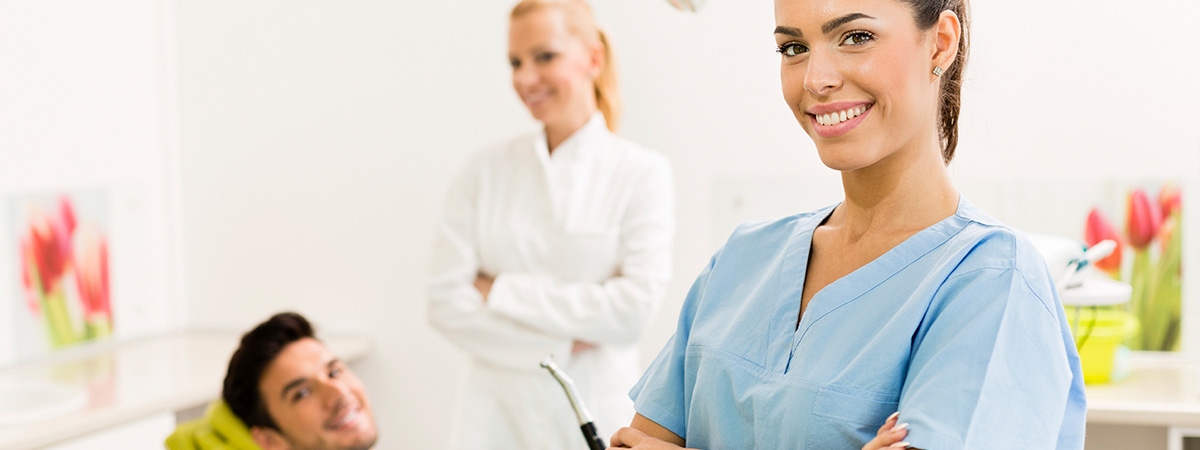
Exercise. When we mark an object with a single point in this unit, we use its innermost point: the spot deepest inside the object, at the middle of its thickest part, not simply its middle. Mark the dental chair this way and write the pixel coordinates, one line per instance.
(219, 429)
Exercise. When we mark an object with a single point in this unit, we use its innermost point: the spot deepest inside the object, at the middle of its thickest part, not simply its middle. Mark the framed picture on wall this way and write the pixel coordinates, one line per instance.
(61, 270)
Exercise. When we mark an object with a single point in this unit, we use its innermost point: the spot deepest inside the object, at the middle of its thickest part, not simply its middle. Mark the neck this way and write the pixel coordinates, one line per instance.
(906, 192)
(560, 130)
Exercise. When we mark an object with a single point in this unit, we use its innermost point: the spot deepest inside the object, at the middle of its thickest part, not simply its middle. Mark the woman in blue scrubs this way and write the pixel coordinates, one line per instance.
(810, 331)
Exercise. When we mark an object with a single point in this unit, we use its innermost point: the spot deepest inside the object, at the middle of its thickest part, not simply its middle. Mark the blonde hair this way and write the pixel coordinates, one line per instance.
(582, 23)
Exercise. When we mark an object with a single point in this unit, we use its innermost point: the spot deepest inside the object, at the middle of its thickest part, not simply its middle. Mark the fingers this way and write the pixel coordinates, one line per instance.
(581, 346)
(626, 438)
(889, 423)
(895, 436)
(890, 435)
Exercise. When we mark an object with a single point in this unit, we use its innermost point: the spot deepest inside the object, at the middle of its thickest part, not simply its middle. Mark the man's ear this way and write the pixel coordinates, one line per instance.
(269, 439)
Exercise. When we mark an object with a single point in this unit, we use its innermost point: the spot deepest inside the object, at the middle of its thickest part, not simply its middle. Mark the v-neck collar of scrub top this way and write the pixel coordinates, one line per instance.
(857, 283)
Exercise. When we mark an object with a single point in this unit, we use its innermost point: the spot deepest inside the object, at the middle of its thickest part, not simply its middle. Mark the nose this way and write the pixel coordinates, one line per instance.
(822, 77)
(334, 393)
(523, 76)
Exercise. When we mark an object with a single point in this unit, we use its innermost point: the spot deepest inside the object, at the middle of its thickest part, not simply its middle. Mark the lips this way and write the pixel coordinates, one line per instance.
(345, 418)
(536, 99)
(835, 119)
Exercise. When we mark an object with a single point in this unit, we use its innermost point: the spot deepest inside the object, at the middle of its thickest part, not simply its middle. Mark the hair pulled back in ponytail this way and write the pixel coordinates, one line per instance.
(926, 14)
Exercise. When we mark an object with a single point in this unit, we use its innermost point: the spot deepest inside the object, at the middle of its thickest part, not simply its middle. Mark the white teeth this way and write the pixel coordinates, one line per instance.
(535, 98)
(840, 116)
(346, 418)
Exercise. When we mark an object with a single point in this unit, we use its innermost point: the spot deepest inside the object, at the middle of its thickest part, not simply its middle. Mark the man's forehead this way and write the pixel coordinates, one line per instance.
(303, 358)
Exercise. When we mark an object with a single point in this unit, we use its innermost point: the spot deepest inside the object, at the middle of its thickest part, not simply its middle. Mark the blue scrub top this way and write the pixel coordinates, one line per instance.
(959, 328)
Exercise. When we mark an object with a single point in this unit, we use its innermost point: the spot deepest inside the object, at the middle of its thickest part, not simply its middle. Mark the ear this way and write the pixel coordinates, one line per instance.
(947, 33)
(269, 439)
(596, 60)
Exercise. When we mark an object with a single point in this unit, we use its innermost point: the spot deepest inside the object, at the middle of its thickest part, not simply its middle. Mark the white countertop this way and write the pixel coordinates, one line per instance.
(1161, 390)
(129, 380)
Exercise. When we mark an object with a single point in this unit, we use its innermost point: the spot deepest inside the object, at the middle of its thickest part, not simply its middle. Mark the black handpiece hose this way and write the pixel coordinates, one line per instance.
(585, 420)
(593, 438)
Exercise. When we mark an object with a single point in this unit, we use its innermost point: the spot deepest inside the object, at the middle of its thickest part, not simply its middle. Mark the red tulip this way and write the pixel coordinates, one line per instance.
(45, 250)
(1099, 229)
(64, 224)
(1143, 218)
(91, 271)
(66, 214)
(1165, 232)
(1170, 199)
(31, 297)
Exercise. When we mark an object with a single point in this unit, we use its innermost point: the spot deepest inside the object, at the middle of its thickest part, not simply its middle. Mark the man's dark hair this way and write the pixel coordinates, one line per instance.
(258, 348)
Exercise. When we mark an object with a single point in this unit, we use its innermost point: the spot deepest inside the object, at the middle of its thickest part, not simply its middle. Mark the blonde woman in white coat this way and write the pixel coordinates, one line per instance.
(558, 242)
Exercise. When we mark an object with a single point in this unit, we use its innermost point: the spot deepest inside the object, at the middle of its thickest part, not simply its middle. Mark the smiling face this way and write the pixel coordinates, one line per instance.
(857, 76)
(553, 70)
(316, 401)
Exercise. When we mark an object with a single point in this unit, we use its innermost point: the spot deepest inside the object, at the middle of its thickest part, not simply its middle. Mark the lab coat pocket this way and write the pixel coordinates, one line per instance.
(590, 255)
(845, 418)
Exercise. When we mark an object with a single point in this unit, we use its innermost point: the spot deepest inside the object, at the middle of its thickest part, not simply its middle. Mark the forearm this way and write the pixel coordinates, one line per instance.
(461, 317)
(614, 311)
(654, 430)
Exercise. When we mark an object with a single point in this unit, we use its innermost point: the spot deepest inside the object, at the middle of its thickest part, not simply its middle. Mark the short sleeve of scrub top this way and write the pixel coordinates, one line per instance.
(958, 328)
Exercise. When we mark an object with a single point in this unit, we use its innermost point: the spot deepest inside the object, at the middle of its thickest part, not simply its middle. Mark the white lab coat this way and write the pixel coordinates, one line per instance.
(579, 243)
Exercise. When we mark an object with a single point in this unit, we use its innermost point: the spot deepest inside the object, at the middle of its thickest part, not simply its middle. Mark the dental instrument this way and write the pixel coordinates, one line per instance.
(1094, 253)
(586, 425)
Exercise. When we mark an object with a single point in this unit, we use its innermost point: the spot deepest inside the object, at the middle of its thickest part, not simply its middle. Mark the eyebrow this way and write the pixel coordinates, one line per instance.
(299, 381)
(828, 27)
(291, 385)
(539, 48)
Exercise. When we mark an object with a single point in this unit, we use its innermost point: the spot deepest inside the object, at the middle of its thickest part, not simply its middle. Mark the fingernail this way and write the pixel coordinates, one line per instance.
(904, 444)
(899, 427)
(893, 416)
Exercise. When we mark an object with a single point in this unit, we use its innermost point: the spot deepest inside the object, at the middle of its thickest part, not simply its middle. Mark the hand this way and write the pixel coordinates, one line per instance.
(633, 438)
(890, 435)
(580, 346)
(483, 284)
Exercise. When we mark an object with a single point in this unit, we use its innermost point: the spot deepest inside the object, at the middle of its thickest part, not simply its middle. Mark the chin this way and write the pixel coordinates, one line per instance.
(362, 441)
(544, 113)
(845, 158)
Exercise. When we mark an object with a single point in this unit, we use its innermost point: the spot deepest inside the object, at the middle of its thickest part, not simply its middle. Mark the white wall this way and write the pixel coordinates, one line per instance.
(86, 110)
(318, 138)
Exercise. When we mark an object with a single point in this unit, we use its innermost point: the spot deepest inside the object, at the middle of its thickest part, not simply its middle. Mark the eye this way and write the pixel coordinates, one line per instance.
(544, 57)
(515, 63)
(858, 38)
(335, 372)
(791, 49)
(300, 394)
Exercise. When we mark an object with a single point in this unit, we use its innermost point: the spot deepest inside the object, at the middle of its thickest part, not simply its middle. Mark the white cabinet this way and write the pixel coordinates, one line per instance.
(1180, 438)
(141, 434)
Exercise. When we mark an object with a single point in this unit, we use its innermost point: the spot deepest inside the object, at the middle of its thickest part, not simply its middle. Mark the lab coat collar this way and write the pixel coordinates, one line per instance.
(574, 146)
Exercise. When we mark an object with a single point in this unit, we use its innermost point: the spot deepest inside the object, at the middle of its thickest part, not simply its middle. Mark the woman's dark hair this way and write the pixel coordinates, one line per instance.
(926, 13)
(258, 348)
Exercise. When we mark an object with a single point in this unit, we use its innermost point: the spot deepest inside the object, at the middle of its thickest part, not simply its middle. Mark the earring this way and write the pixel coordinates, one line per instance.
(937, 71)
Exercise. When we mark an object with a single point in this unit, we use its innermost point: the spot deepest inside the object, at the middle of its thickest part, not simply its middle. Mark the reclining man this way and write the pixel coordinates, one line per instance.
(293, 394)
